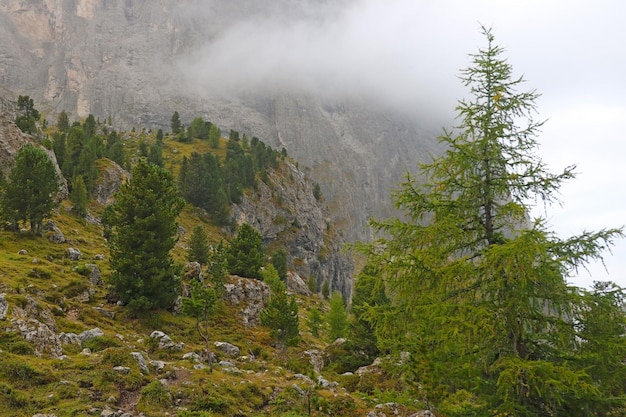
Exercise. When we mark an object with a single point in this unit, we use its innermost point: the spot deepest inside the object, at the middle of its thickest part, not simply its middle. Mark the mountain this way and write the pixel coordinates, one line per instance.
(122, 59)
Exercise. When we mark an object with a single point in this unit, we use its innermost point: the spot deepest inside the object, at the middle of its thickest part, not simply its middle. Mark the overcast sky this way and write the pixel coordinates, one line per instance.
(407, 54)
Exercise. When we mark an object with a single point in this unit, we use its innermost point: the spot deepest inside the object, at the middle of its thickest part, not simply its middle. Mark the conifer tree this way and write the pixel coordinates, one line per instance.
(79, 196)
(63, 122)
(201, 305)
(175, 123)
(198, 246)
(142, 229)
(245, 254)
(29, 194)
(281, 312)
(479, 295)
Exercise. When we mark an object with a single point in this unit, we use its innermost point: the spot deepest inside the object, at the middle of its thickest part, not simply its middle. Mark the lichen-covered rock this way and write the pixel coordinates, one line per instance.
(111, 178)
(55, 234)
(250, 295)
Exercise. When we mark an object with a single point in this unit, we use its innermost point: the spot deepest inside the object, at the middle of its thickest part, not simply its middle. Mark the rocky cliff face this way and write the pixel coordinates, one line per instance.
(119, 58)
(285, 211)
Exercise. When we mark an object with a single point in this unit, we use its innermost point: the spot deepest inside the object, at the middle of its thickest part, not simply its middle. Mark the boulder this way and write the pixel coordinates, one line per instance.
(73, 254)
(165, 342)
(228, 349)
(90, 334)
(95, 275)
(56, 235)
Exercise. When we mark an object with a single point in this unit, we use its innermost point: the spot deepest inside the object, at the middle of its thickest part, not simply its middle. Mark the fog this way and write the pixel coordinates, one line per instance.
(406, 55)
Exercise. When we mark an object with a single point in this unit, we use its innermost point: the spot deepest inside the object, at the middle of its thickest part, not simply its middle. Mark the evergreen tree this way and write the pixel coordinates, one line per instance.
(89, 127)
(337, 317)
(79, 197)
(29, 194)
(155, 155)
(58, 147)
(142, 228)
(214, 136)
(200, 183)
(63, 122)
(369, 294)
(281, 312)
(245, 254)
(279, 260)
(159, 137)
(199, 128)
(115, 149)
(478, 292)
(29, 116)
(198, 246)
(315, 321)
(175, 123)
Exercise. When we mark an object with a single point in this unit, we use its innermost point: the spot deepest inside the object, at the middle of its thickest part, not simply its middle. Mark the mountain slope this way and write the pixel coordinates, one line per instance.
(121, 59)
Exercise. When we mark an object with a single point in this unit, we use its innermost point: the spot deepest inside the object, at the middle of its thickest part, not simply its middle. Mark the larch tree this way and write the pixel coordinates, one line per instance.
(478, 290)
(142, 229)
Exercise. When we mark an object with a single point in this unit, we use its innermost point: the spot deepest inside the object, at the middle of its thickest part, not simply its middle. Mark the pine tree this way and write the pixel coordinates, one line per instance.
(142, 228)
(79, 197)
(175, 123)
(478, 292)
(63, 122)
(198, 246)
(245, 254)
(29, 194)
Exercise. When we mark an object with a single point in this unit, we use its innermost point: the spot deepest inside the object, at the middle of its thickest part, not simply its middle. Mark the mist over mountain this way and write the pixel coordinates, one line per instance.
(315, 77)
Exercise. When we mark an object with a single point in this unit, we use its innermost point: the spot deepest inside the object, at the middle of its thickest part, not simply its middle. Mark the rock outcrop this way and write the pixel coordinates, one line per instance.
(285, 210)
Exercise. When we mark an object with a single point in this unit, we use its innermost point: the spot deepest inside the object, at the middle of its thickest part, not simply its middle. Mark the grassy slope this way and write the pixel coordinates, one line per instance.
(78, 383)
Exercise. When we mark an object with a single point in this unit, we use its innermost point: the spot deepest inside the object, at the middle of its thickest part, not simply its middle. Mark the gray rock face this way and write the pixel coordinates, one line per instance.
(97, 57)
(141, 362)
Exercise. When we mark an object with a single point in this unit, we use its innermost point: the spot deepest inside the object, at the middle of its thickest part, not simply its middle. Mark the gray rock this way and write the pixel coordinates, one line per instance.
(57, 235)
(296, 284)
(90, 334)
(165, 342)
(94, 276)
(192, 356)
(69, 339)
(45, 341)
(316, 359)
(121, 369)
(158, 365)
(106, 313)
(73, 254)
(227, 348)
(141, 362)
(22, 252)
(4, 306)
(249, 295)
(98, 257)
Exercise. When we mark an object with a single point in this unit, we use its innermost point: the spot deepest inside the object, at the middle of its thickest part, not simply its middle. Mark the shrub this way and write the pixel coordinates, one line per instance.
(154, 395)
(101, 343)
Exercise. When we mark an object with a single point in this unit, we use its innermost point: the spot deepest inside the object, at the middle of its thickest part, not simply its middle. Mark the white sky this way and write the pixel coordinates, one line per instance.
(408, 53)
